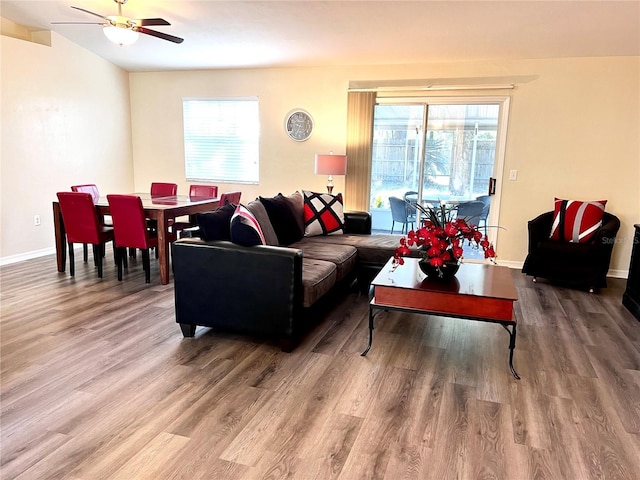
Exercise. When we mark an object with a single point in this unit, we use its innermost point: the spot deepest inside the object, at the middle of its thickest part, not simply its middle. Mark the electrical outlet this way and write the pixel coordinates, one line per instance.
(513, 174)
(36, 220)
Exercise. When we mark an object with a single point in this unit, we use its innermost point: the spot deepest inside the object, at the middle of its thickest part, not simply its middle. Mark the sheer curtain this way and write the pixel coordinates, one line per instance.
(360, 106)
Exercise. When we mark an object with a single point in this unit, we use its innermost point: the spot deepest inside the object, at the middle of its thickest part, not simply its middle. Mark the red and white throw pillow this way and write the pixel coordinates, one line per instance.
(576, 221)
(323, 214)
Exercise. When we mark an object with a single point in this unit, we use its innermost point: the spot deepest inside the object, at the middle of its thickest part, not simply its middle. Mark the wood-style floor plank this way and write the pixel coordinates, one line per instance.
(97, 383)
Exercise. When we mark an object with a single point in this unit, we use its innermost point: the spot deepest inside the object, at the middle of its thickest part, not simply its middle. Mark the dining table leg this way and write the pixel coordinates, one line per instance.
(60, 237)
(163, 247)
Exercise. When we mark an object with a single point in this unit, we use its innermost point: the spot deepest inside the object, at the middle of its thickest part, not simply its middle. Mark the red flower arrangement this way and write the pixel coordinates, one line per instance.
(441, 238)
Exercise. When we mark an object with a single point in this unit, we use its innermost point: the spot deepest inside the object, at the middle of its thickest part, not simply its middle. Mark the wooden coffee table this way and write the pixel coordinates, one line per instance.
(478, 292)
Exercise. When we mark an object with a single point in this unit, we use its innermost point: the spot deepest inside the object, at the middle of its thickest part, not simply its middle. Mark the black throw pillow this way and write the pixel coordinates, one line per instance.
(283, 219)
(216, 225)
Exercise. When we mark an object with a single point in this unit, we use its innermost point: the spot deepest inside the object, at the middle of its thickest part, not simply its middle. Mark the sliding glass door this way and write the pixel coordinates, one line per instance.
(460, 151)
(397, 154)
(440, 151)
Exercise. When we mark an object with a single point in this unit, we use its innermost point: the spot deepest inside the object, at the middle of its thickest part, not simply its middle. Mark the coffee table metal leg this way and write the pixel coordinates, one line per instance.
(512, 346)
(370, 331)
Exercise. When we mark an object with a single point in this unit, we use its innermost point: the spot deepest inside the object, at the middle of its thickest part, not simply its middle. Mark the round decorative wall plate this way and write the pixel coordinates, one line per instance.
(298, 124)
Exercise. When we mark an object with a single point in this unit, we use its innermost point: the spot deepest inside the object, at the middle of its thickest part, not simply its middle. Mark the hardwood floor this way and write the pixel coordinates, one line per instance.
(98, 383)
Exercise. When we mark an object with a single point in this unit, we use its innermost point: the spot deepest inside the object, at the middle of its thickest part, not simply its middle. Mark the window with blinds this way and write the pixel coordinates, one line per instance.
(221, 140)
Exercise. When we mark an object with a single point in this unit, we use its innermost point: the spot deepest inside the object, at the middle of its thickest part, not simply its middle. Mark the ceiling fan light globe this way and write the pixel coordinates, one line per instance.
(121, 35)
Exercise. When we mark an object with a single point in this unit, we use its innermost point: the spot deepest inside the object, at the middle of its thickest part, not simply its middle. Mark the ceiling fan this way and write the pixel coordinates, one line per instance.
(124, 30)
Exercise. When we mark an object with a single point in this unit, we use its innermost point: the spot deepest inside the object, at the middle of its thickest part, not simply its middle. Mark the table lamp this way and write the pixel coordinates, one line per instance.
(331, 165)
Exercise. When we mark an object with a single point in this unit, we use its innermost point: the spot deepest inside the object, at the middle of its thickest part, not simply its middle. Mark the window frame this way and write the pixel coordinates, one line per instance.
(196, 164)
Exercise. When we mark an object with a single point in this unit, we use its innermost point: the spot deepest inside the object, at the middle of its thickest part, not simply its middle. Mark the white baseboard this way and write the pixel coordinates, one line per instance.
(611, 273)
(618, 273)
(27, 256)
(510, 264)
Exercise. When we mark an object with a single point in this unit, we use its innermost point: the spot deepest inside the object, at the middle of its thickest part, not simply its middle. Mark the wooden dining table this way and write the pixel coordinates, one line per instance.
(162, 209)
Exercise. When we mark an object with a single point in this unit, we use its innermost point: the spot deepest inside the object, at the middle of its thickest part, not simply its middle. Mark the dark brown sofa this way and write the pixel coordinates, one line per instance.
(271, 291)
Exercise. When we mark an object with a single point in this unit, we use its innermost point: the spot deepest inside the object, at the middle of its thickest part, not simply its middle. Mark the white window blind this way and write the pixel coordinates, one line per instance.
(221, 140)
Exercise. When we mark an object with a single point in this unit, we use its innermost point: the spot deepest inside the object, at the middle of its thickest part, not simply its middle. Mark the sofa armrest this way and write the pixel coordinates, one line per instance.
(357, 222)
(255, 290)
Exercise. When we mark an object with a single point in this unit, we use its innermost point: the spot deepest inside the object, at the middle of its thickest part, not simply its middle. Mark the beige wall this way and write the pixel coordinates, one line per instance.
(285, 165)
(573, 132)
(65, 120)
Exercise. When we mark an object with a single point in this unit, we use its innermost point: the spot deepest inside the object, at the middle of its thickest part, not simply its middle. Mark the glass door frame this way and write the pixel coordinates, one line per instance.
(503, 101)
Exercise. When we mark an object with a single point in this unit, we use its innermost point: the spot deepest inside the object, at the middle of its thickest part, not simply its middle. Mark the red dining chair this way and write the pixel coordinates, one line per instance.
(203, 191)
(196, 192)
(82, 225)
(130, 228)
(230, 197)
(159, 189)
(92, 189)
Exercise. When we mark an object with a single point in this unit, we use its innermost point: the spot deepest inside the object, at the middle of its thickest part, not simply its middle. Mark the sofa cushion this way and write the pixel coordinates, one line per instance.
(296, 202)
(257, 209)
(372, 249)
(344, 256)
(323, 214)
(576, 221)
(318, 276)
(282, 218)
(245, 229)
(216, 225)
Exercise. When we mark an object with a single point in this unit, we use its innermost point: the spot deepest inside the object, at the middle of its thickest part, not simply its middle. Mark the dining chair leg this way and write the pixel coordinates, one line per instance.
(132, 253)
(85, 252)
(119, 254)
(146, 265)
(97, 255)
(72, 262)
(392, 224)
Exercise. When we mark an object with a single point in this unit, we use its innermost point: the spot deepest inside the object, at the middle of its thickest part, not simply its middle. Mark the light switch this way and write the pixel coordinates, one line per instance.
(513, 174)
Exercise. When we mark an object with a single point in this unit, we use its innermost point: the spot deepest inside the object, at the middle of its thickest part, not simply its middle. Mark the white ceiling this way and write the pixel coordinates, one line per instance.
(236, 34)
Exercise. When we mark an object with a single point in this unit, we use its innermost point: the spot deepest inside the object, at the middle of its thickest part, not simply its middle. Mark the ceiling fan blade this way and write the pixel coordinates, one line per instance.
(145, 22)
(77, 23)
(91, 13)
(161, 35)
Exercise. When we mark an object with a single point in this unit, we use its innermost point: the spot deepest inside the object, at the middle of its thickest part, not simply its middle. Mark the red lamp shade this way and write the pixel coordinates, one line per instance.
(331, 165)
